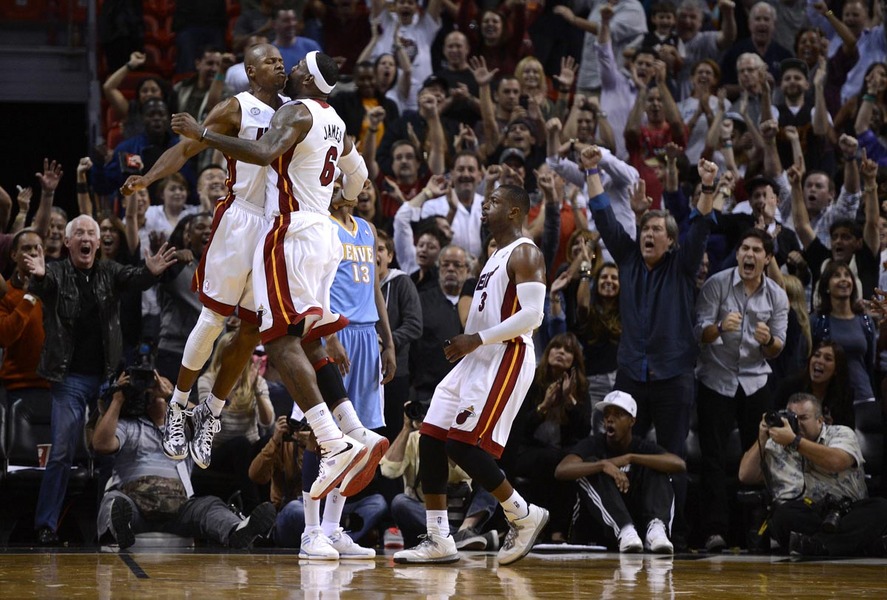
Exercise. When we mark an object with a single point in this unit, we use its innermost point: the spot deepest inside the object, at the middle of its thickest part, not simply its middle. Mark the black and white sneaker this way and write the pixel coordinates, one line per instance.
(175, 440)
(205, 427)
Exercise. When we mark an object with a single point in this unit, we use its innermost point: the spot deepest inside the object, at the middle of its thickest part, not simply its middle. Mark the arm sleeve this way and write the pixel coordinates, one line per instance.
(354, 171)
(531, 296)
(404, 248)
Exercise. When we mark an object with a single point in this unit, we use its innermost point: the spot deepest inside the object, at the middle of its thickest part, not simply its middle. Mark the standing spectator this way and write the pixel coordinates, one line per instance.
(130, 111)
(49, 221)
(697, 45)
(161, 219)
(405, 319)
(354, 106)
(627, 22)
(657, 294)
(292, 47)
(21, 325)
(346, 29)
(827, 376)
(664, 124)
(499, 37)
(193, 94)
(741, 319)
(840, 320)
(762, 20)
(405, 26)
(599, 326)
(197, 24)
(83, 345)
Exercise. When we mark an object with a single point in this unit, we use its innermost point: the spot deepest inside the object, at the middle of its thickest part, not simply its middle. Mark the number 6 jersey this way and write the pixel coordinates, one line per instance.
(495, 297)
(305, 173)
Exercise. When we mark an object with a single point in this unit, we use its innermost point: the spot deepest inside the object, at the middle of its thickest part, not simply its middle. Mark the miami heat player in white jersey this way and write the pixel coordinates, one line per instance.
(304, 174)
(294, 271)
(224, 276)
(495, 297)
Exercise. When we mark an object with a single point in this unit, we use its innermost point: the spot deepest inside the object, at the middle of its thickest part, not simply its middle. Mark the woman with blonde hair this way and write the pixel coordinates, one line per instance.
(247, 408)
(530, 73)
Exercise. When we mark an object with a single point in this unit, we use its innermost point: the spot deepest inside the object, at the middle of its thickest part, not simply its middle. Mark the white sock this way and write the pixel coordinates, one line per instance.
(437, 522)
(180, 397)
(312, 512)
(515, 507)
(332, 512)
(346, 417)
(322, 423)
(215, 405)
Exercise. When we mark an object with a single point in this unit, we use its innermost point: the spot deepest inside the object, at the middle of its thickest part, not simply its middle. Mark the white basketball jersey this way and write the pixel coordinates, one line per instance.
(305, 173)
(495, 297)
(247, 181)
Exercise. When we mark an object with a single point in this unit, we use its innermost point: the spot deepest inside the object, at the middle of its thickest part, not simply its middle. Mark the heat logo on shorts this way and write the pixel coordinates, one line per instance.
(464, 415)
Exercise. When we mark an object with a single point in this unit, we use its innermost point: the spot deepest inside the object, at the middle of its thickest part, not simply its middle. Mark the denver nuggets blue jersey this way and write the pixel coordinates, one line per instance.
(352, 295)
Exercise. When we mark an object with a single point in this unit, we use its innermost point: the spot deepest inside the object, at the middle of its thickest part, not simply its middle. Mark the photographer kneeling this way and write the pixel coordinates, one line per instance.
(148, 491)
(814, 474)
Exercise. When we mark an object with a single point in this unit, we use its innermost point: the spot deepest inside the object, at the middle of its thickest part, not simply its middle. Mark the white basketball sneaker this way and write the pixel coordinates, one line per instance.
(364, 470)
(432, 549)
(336, 458)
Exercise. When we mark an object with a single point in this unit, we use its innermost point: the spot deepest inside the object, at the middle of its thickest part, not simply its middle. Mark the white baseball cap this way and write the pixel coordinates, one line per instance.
(620, 399)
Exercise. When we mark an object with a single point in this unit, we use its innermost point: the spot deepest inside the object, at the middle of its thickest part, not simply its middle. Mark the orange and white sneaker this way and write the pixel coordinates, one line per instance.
(364, 470)
(337, 457)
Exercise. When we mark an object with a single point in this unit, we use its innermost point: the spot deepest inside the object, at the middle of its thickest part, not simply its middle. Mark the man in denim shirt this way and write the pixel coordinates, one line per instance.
(657, 354)
(742, 317)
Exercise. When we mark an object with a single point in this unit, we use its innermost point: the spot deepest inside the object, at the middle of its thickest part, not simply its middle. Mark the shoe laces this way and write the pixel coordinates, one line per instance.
(510, 537)
(175, 424)
(208, 426)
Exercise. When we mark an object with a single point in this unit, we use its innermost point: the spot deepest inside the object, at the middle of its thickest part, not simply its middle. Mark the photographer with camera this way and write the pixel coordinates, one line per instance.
(149, 491)
(814, 474)
(408, 508)
(280, 462)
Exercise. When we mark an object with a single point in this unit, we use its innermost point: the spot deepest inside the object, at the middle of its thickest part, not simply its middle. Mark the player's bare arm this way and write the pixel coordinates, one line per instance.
(288, 127)
(224, 118)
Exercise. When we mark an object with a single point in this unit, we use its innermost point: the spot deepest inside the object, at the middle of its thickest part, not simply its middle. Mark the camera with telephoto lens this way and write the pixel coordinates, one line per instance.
(833, 511)
(773, 418)
(416, 410)
(136, 393)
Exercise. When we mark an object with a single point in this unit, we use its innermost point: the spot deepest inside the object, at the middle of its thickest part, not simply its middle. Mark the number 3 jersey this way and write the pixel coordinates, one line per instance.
(495, 297)
(353, 291)
(305, 173)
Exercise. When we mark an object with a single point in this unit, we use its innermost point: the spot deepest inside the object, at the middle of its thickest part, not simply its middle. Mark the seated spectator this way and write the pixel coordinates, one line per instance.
(150, 492)
(130, 111)
(211, 187)
(476, 506)
(624, 480)
(21, 325)
(827, 377)
(812, 470)
(248, 408)
(840, 320)
(554, 416)
(280, 462)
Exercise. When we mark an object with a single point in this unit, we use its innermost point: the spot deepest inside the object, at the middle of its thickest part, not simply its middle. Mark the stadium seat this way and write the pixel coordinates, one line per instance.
(23, 10)
(158, 31)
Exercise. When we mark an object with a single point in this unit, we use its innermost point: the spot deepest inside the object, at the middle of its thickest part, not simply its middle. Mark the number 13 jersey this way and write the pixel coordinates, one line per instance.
(495, 297)
(305, 173)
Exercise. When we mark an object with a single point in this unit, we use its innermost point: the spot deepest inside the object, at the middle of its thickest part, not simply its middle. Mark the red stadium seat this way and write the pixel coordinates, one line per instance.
(23, 10)
(158, 8)
(158, 31)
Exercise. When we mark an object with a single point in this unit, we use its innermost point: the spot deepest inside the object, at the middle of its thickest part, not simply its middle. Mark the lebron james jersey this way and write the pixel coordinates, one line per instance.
(305, 173)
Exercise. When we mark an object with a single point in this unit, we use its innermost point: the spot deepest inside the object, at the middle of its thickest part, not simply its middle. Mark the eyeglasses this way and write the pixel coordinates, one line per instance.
(455, 265)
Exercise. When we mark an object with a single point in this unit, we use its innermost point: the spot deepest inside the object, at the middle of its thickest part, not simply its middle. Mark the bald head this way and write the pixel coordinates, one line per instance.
(254, 55)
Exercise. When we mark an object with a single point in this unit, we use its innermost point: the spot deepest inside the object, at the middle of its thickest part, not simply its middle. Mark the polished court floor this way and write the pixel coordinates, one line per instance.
(196, 574)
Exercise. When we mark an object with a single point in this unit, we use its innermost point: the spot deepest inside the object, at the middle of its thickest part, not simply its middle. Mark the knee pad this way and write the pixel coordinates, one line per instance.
(478, 464)
(434, 468)
(200, 342)
(329, 380)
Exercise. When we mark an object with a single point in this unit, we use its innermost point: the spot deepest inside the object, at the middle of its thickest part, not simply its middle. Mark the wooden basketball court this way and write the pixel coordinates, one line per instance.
(27, 573)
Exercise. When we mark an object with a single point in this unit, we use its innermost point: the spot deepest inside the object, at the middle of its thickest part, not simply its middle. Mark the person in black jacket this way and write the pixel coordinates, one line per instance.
(353, 106)
(83, 344)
